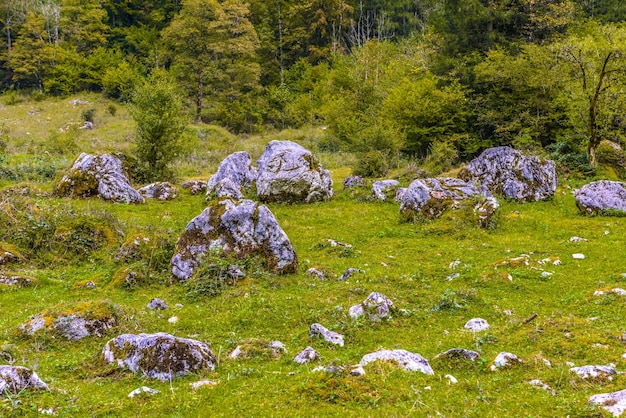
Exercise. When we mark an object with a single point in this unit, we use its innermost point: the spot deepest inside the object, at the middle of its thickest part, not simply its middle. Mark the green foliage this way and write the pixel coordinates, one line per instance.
(88, 114)
(121, 81)
(442, 157)
(373, 163)
(157, 111)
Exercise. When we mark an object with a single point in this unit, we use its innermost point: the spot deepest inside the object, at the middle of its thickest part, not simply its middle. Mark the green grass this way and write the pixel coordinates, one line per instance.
(407, 262)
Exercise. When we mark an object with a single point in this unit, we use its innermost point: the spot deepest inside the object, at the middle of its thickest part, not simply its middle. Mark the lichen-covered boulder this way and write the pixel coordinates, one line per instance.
(75, 322)
(14, 379)
(98, 175)
(601, 196)
(234, 174)
(288, 172)
(159, 356)
(161, 190)
(432, 197)
(382, 189)
(405, 359)
(376, 306)
(243, 228)
(507, 172)
(614, 403)
(195, 186)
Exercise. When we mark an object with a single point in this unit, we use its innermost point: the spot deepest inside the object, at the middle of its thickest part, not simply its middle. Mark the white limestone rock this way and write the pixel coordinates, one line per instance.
(318, 330)
(405, 359)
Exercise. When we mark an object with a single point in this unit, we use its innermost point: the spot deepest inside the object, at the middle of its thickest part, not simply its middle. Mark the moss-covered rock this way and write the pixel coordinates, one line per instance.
(159, 356)
(161, 190)
(14, 379)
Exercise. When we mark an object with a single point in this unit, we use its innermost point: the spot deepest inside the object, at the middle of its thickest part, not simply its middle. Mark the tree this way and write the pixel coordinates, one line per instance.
(156, 108)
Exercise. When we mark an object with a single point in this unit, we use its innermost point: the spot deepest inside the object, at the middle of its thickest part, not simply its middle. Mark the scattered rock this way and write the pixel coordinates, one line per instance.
(382, 189)
(507, 172)
(555, 261)
(133, 248)
(316, 273)
(615, 402)
(601, 196)
(513, 262)
(332, 369)
(578, 239)
(14, 379)
(16, 280)
(317, 330)
(202, 383)
(172, 319)
(255, 347)
(307, 355)
(451, 379)
(98, 175)
(357, 370)
(595, 372)
(459, 353)
(157, 303)
(477, 325)
(6, 258)
(454, 264)
(161, 190)
(287, 172)
(87, 125)
(377, 306)
(617, 290)
(159, 356)
(78, 102)
(352, 182)
(504, 360)
(541, 385)
(144, 390)
(405, 359)
(578, 256)
(349, 272)
(234, 174)
(452, 276)
(244, 228)
(195, 186)
(434, 196)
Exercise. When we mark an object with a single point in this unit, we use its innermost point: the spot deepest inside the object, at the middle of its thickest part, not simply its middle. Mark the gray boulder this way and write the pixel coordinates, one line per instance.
(14, 379)
(307, 355)
(432, 197)
(234, 174)
(595, 372)
(159, 356)
(161, 190)
(614, 403)
(405, 359)
(352, 182)
(195, 186)
(376, 306)
(382, 189)
(289, 172)
(244, 228)
(601, 196)
(507, 172)
(98, 175)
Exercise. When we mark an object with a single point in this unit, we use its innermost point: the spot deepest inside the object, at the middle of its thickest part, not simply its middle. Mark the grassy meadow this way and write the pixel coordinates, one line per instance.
(411, 263)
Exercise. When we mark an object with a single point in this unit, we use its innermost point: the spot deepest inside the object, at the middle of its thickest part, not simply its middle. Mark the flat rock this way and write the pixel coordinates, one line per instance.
(507, 172)
(433, 196)
(381, 189)
(376, 306)
(458, 353)
(307, 355)
(349, 272)
(161, 190)
(477, 325)
(98, 175)
(14, 379)
(318, 330)
(595, 372)
(288, 172)
(614, 403)
(601, 196)
(159, 356)
(245, 228)
(405, 359)
(233, 176)
(144, 390)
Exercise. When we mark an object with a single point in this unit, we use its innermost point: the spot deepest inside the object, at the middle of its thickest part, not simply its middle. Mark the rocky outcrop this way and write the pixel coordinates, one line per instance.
(288, 172)
(14, 379)
(318, 330)
(243, 228)
(405, 359)
(234, 174)
(98, 175)
(161, 190)
(377, 306)
(432, 197)
(507, 172)
(159, 356)
(602, 196)
(383, 189)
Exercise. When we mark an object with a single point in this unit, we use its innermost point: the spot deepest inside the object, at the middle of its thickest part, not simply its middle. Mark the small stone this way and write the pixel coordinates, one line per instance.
(6, 258)
(578, 239)
(453, 276)
(595, 372)
(546, 274)
(578, 256)
(459, 353)
(49, 411)
(539, 384)
(617, 290)
(451, 379)
(157, 303)
(476, 325)
(202, 383)
(349, 272)
(144, 390)
(503, 360)
(377, 306)
(357, 370)
(317, 330)
(453, 265)
(307, 355)
(316, 273)
(173, 320)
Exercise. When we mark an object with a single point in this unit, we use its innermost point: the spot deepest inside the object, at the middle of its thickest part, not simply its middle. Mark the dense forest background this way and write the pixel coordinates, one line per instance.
(431, 80)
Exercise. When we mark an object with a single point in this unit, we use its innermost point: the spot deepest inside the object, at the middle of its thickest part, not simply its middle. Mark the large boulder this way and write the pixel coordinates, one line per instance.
(159, 356)
(432, 197)
(14, 379)
(234, 174)
(289, 172)
(507, 172)
(601, 196)
(243, 227)
(98, 175)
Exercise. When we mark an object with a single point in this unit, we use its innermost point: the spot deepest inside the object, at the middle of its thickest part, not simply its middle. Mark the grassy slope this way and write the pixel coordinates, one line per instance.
(407, 262)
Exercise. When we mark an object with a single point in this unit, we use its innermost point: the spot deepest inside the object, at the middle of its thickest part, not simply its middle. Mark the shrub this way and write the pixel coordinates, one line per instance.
(372, 164)
(441, 157)
(88, 115)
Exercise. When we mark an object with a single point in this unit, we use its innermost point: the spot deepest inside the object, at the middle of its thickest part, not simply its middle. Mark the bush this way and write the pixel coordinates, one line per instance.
(570, 158)
(441, 157)
(88, 115)
(372, 164)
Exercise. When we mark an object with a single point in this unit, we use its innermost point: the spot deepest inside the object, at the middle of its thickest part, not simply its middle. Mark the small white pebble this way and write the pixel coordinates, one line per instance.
(578, 256)
(173, 320)
(546, 274)
(201, 383)
(427, 388)
(452, 379)
(570, 364)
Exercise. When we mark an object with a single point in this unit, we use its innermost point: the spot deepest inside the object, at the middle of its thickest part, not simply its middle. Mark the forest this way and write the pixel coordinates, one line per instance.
(431, 81)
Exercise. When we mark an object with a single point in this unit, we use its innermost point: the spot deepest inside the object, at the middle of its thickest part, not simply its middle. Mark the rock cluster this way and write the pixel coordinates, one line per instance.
(376, 306)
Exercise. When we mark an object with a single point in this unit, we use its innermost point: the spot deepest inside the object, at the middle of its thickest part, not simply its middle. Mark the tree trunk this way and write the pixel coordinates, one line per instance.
(593, 113)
